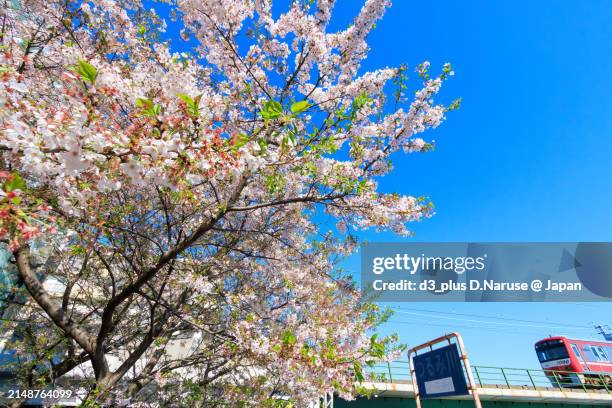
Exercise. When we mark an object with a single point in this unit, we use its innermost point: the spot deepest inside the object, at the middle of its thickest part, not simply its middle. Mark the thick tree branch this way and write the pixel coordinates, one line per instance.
(49, 305)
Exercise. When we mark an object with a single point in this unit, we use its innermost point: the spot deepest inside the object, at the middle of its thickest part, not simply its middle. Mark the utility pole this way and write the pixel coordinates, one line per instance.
(605, 331)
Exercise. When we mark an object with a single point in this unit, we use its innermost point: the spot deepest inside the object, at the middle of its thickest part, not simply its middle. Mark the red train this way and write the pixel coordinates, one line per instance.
(572, 363)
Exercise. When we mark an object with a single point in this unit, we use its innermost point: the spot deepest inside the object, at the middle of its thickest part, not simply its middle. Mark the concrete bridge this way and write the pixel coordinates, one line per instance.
(498, 387)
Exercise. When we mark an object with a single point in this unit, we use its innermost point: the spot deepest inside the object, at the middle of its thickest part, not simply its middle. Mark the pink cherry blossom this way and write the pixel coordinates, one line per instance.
(176, 197)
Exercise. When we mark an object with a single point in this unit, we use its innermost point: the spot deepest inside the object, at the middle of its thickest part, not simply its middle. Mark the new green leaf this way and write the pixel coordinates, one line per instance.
(191, 103)
(16, 182)
(87, 71)
(271, 110)
(288, 338)
(300, 106)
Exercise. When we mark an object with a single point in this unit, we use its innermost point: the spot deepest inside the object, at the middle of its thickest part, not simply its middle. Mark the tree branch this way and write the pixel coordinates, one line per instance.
(44, 300)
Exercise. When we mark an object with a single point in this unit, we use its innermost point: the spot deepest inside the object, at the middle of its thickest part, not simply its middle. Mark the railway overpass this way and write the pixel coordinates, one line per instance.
(498, 387)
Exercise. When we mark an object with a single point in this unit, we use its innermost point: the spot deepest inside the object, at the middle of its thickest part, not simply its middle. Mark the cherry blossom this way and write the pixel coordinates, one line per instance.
(179, 193)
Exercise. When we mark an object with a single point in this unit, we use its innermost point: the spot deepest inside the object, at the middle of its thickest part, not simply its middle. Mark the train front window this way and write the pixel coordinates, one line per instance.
(555, 352)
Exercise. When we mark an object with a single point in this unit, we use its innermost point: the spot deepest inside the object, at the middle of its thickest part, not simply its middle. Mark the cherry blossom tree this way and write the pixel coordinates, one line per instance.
(186, 196)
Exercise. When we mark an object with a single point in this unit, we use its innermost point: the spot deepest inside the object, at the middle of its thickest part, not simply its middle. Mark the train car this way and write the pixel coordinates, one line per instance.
(575, 363)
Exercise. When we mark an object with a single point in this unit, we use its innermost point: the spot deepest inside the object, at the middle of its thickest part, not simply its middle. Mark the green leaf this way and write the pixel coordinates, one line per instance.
(288, 338)
(272, 110)
(360, 101)
(300, 106)
(454, 105)
(240, 141)
(148, 107)
(377, 348)
(358, 372)
(274, 183)
(305, 351)
(192, 104)
(87, 71)
(263, 145)
(144, 103)
(77, 250)
(15, 183)
(186, 98)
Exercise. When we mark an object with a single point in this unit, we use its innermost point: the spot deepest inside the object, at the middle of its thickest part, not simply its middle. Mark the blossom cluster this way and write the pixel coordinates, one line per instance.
(211, 162)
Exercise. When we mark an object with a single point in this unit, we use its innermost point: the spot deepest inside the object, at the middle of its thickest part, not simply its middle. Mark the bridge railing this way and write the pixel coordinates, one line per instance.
(503, 377)
(391, 371)
(535, 379)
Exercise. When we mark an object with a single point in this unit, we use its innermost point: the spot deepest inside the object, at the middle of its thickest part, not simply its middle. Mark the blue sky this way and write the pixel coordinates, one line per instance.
(528, 154)
(526, 158)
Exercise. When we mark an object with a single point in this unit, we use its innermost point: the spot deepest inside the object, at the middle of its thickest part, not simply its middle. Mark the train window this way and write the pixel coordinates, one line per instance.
(602, 354)
(595, 350)
(577, 352)
(554, 352)
(541, 356)
(609, 351)
(594, 354)
(588, 354)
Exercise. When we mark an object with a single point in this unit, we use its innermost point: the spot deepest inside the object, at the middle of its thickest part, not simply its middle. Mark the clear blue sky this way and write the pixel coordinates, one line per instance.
(526, 158)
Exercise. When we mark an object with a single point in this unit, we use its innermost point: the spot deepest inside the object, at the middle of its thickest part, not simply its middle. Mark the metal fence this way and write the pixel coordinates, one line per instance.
(394, 371)
(502, 377)
(538, 379)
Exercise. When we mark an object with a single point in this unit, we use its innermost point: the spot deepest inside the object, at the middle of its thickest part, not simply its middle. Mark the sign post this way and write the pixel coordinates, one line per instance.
(440, 372)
